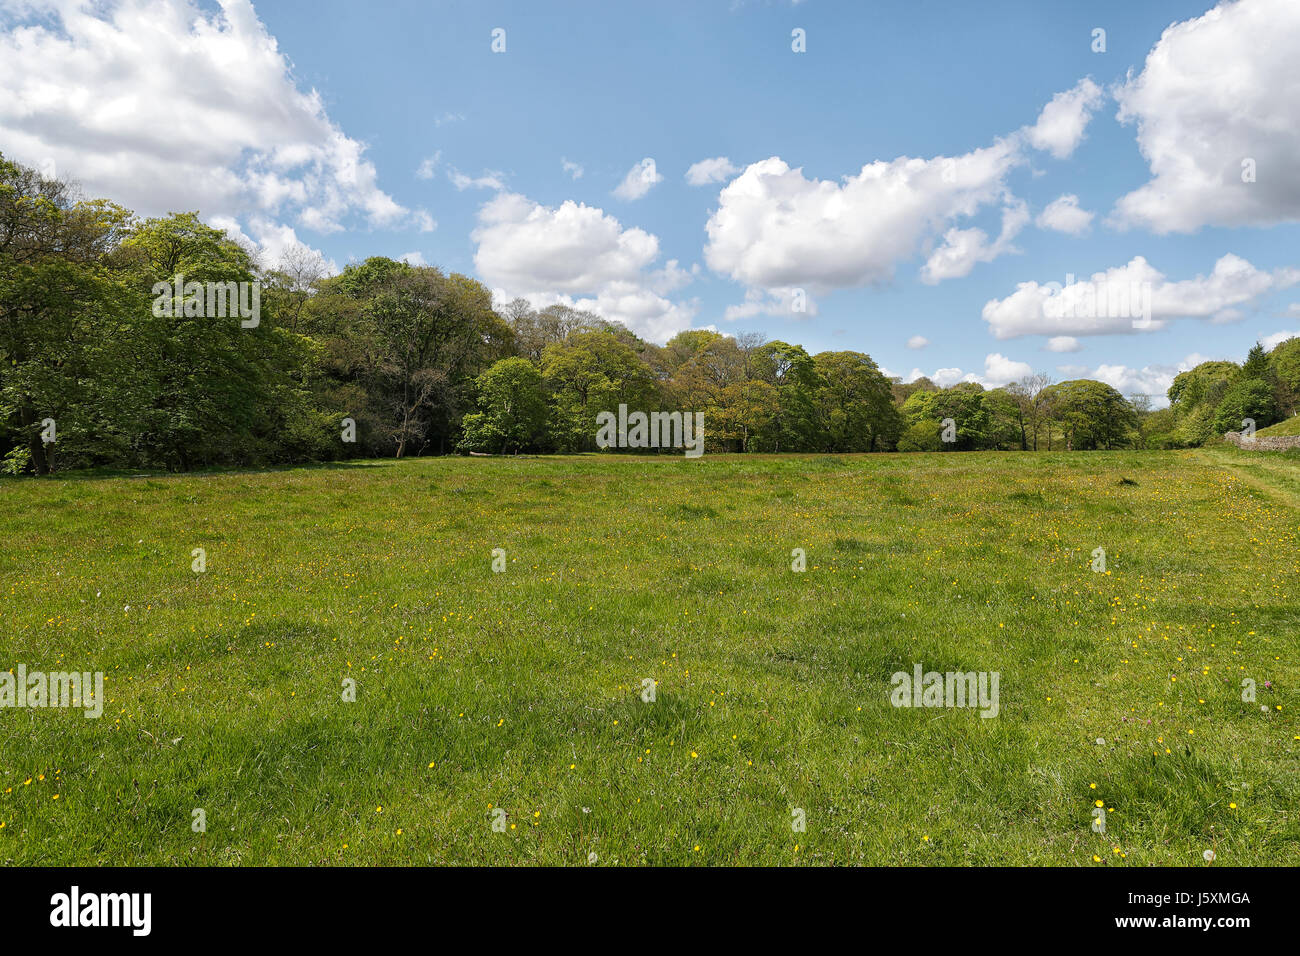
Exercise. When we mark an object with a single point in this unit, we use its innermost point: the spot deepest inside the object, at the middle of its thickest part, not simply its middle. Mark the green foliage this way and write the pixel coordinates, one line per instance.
(1284, 361)
(856, 402)
(1249, 398)
(1202, 385)
(1093, 415)
(1157, 430)
(514, 412)
(417, 358)
(922, 435)
(1257, 365)
(590, 372)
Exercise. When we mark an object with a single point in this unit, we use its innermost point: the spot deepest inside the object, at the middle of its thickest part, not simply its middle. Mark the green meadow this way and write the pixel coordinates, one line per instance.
(501, 717)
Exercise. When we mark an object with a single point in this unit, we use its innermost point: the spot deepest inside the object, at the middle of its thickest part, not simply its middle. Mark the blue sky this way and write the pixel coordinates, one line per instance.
(352, 128)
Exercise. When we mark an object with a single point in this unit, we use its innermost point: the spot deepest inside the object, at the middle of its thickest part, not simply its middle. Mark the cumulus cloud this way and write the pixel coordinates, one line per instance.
(998, 371)
(272, 242)
(710, 171)
(164, 106)
(1215, 92)
(776, 228)
(917, 342)
(639, 180)
(1063, 214)
(573, 169)
(1271, 342)
(963, 248)
(1061, 124)
(579, 255)
(1130, 298)
(1150, 380)
(413, 258)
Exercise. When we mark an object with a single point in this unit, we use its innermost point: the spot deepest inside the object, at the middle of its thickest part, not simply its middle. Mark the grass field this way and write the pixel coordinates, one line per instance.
(522, 691)
(1290, 426)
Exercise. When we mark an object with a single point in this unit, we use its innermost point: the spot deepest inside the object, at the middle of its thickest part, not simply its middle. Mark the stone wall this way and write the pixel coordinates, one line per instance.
(1263, 442)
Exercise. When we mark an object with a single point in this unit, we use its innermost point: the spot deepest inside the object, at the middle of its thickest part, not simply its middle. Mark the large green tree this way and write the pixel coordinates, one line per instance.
(513, 412)
(855, 403)
(1093, 415)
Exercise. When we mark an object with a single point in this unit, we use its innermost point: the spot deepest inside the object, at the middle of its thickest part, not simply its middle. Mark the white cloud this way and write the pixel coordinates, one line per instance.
(963, 248)
(917, 342)
(776, 228)
(573, 169)
(1064, 215)
(948, 377)
(424, 221)
(638, 181)
(1152, 380)
(428, 166)
(781, 302)
(1063, 343)
(1215, 91)
(491, 179)
(1271, 342)
(1112, 300)
(272, 243)
(161, 106)
(413, 258)
(1060, 125)
(581, 256)
(998, 371)
(710, 171)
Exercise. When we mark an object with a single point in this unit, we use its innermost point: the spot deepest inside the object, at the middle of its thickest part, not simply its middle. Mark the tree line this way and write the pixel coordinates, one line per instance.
(391, 359)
